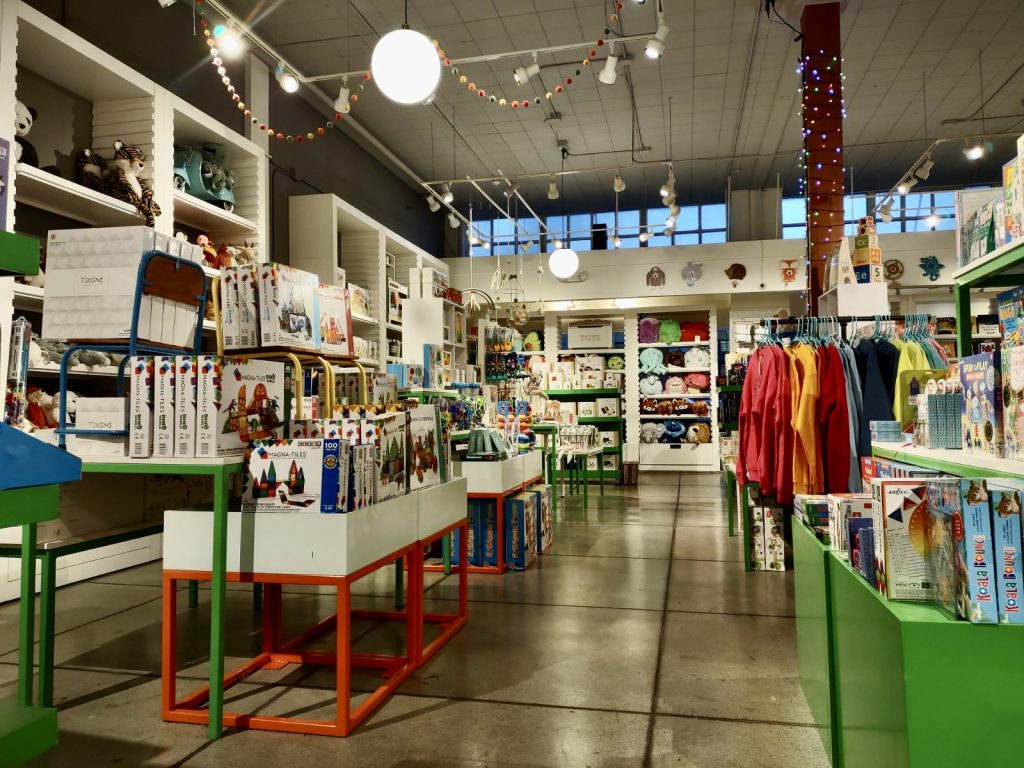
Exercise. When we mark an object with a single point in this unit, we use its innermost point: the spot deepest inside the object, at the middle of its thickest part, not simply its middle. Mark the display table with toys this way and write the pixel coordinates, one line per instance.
(333, 550)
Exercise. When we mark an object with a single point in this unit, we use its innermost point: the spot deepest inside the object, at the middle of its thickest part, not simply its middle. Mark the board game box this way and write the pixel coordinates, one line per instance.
(391, 440)
(1013, 401)
(140, 408)
(295, 476)
(185, 381)
(239, 401)
(899, 512)
(943, 507)
(982, 409)
(972, 532)
(1006, 546)
(424, 448)
(521, 531)
(288, 306)
(335, 326)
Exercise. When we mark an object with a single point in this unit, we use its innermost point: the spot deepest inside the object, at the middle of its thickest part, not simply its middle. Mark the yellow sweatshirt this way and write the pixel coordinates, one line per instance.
(808, 476)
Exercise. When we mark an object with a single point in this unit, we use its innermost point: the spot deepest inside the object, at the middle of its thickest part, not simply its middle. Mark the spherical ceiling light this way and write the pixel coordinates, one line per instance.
(406, 67)
(564, 263)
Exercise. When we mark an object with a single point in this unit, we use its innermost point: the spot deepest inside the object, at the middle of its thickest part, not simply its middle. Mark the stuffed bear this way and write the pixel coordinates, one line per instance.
(700, 408)
(698, 433)
(674, 432)
(648, 333)
(650, 432)
(650, 385)
(24, 152)
(697, 382)
(651, 361)
(674, 385)
(649, 406)
(616, 363)
(127, 184)
(91, 171)
(664, 407)
(668, 332)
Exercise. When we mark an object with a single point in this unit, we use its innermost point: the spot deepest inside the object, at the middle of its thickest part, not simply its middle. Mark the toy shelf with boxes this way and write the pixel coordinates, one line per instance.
(674, 406)
(434, 315)
(83, 99)
(601, 407)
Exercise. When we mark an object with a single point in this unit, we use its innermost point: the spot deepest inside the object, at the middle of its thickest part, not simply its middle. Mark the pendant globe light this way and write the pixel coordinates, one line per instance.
(405, 65)
(564, 262)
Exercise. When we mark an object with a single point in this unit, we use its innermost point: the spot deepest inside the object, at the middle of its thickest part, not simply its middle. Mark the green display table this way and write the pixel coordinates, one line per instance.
(814, 630)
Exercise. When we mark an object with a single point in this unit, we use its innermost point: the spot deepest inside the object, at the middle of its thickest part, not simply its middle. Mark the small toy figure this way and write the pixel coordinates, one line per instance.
(24, 152)
(931, 267)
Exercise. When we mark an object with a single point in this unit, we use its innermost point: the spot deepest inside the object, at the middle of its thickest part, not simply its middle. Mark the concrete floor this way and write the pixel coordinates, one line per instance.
(639, 642)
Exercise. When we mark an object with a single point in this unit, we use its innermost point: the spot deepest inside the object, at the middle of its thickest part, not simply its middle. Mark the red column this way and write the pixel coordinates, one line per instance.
(822, 84)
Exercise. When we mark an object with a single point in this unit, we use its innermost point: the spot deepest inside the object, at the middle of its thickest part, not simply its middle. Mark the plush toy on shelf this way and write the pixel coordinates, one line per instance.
(24, 152)
(35, 412)
(650, 385)
(700, 408)
(668, 332)
(697, 357)
(648, 330)
(681, 407)
(127, 184)
(209, 252)
(225, 258)
(91, 171)
(697, 382)
(531, 342)
(244, 254)
(674, 432)
(649, 406)
(698, 433)
(674, 385)
(664, 407)
(674, 359)
(651, 431)
(616, 363)
(652, 361)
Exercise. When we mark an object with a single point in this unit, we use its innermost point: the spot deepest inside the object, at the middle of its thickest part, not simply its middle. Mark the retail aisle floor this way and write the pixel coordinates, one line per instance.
(640, 641)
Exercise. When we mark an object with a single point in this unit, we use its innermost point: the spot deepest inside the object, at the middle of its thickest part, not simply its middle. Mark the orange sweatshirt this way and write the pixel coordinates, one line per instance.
(808, 476)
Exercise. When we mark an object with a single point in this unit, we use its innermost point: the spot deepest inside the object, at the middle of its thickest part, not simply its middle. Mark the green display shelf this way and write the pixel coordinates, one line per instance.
(916, 689)
(726, 388)
(557, 393)
(1003, 268)
(952, 462)
(613, 449)
(19, 254)
(25, 731)
(600, 419)
(814, 630)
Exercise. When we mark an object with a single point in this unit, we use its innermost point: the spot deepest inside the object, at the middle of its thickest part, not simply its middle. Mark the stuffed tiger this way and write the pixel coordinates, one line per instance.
(91, 171)
(127, 184)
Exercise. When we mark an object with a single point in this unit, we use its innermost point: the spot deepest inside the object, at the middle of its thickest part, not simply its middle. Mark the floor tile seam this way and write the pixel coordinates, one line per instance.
(743, 720)
(605, 557)
(89, 623)
(733, 613)
(662, 635)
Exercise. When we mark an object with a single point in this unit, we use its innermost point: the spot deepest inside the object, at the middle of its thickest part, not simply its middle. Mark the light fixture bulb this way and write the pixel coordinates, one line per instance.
(405, 66)
(618, 184)
(906, 186)
(674, 211)
(453, 220)
(656, 45)
(671, 199)
(645, 236)
(563, 263)
(924, 170)
(974, 151)
(447, 196)
(933, 220)
(522, 75)
(474, 240)
(666, 190)
(557, 243)
(670, 221)
(608, 74)
(289, 83)
(886, 211)
(230, 42)
(552, 189)
(669, 231)
(342, 103)
(432, 204)
(486, 245)
(510, 190)
(617, 241)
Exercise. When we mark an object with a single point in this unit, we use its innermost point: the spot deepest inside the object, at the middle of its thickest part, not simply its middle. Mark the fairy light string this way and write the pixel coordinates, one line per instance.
(499, 100)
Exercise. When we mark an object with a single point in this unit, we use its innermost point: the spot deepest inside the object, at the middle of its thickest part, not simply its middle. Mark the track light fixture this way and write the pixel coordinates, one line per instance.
(447, 196)
(974, 151)
(616, 242)
(342, 103)
(510, 190)
(656, 45)
(165, 3)
(924, 169)
(453, 220)
(670, 221)
(906, 185)
(669, 187)
(645, 236)
(933, 220)
(552, 189)
(618, 184)
(432, 204)
(473, 239)
(608, 74)
(522, 75)
(289, 83)
(886, 210)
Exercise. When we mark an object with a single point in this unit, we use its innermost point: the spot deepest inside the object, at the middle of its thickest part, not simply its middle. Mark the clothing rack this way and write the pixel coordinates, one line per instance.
(841, 320)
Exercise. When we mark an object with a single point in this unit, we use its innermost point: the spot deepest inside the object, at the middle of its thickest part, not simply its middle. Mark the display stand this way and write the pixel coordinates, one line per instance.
(570, 458)
(497, 480)
(336, 550)
(616, 424)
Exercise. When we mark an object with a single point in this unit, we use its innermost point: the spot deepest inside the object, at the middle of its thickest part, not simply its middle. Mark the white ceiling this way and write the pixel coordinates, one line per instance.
(728, 118)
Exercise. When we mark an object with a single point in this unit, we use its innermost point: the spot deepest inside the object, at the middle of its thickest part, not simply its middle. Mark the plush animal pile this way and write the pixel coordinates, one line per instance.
(122, 178)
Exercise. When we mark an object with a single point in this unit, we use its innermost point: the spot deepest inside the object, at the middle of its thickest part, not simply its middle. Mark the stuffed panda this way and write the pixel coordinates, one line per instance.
(24, 152)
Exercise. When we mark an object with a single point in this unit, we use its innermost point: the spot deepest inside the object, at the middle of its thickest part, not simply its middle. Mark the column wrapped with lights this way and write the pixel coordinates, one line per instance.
(823, 112)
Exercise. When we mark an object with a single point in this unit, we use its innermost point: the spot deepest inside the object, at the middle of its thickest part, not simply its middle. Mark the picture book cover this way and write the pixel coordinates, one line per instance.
(383, 390)
(1013, 204)
(288, 306)
(943, 507)
(1013, 401)
(424, 447)
(294, 475)
(335, 326)
(359, 301)
(972, 531)
(899, 512)
(390, 456)
(1006, 546)
(982, 404)
(1010, 309)
(185, 380)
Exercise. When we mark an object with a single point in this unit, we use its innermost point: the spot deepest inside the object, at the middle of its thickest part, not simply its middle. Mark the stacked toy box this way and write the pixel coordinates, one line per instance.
(867, 253)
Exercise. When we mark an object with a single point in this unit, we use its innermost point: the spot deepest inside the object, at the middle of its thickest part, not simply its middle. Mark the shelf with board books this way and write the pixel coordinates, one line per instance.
(556, 394)
(951, 461)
